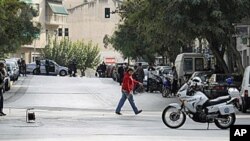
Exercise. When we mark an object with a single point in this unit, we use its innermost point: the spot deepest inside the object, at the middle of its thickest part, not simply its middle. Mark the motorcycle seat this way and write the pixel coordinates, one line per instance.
(218, 100)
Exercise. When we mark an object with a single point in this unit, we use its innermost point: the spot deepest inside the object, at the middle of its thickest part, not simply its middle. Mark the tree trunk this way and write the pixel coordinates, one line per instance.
(82, 72)
(237, 57)
(214, 45)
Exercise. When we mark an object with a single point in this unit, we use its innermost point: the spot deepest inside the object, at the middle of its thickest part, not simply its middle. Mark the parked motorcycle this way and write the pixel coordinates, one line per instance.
(167, 83)
(199, 108)
(155, 83)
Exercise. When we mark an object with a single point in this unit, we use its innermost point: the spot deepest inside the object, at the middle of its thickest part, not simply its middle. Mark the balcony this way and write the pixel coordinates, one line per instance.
(56, 19)
(56, 14)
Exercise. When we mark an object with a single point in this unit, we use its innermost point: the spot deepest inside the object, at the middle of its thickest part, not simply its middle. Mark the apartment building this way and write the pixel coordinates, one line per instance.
(76, 20)
(243, 43)
(86, 21)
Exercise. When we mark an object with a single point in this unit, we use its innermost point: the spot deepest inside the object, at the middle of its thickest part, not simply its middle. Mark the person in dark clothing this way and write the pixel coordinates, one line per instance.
(3, 73)
(127, 89)
(121, 73)
(139, 77)
(175, 81)
(140, 73)
(70, 68)
(23, 68)
(74, 67)
(47, 66)
(38, 65)
(103, 68)
(19, 66)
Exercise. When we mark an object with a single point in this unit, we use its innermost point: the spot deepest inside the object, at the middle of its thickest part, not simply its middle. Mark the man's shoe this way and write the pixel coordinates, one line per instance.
(139, 112)
(2, 114)
(118, 113)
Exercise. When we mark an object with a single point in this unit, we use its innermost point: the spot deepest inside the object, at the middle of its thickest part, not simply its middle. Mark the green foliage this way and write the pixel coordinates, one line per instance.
(162, 27)
(16, 26)
(64, 51)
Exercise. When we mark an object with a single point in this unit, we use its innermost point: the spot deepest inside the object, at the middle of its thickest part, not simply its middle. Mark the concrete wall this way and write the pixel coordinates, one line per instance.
(86, 21)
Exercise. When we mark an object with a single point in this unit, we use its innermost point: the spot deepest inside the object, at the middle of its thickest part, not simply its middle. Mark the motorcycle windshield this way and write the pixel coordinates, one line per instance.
(183, 87)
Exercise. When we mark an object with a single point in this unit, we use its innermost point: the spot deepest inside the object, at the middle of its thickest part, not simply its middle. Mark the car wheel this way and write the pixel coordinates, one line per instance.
(63, 73)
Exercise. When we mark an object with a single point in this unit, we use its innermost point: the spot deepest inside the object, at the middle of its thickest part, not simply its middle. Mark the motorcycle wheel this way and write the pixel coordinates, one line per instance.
(226, 121)
(173, 118)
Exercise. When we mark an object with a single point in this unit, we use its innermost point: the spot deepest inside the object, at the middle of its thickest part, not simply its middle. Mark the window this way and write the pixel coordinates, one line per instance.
(66, 32)
(188, 64)
(199, 64)
(59, 31)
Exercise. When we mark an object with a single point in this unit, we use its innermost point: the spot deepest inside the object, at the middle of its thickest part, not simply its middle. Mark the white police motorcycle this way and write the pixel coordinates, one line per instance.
(199, 108)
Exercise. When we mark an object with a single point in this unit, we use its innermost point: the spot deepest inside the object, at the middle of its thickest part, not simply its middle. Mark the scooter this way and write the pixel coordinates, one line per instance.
(167, 84)
(155, 83)
(199, 108)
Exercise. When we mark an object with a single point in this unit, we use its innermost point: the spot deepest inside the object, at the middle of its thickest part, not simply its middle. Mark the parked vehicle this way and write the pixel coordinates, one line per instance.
(6, 81)
(245, 89)
(199, 108)
(167, 85)
(54, 68)
(12, 70)
(203, 75)
(155, 83)
(187, 63)
(218, 86)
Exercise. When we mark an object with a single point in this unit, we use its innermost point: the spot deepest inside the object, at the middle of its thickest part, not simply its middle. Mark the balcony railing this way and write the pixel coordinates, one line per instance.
(56, 19)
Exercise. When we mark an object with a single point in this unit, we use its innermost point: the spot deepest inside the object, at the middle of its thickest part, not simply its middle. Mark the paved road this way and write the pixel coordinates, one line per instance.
(83, 109)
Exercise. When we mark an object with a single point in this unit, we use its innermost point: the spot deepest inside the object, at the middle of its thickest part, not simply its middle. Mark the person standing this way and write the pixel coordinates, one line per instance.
(175, 81)
(127, 90)
(3, 73)
(23, 68)
(38, 64)
(120, 73)
(140, 73)
(47, 66)
(74, 67)
(151, 71)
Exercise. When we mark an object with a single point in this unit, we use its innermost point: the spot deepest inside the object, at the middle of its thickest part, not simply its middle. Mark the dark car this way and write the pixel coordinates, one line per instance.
(218, 85)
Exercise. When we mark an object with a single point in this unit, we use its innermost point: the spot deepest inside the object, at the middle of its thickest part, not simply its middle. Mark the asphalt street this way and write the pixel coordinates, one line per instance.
(82, 108)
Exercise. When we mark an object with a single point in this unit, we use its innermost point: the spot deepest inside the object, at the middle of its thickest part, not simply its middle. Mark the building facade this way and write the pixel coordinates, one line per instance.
(86, 21)
(76, 20)
(52, 15)
(242, 43)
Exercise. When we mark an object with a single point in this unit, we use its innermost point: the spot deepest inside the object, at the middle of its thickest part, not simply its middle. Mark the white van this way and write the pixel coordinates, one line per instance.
(187, 63)
(245, 89)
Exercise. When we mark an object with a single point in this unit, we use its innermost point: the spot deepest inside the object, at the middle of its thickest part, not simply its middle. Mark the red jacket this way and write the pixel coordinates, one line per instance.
(128, 82)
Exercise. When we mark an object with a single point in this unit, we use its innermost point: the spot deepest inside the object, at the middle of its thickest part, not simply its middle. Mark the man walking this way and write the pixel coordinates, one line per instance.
(127, 90)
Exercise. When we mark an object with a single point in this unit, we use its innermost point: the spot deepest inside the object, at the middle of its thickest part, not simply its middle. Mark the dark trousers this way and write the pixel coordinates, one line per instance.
(1, 100)
(174, 87)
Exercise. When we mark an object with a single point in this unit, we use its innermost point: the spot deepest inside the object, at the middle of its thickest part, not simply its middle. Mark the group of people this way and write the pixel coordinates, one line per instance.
(101, 70)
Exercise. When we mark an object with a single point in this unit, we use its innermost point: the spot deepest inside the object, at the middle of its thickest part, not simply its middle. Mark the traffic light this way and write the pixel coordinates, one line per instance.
(107, 12)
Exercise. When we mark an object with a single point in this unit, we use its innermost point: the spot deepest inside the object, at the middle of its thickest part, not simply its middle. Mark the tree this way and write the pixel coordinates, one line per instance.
(64, 51)
(16, 26)
(142, 34)
(165, 26)
(211, 20)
